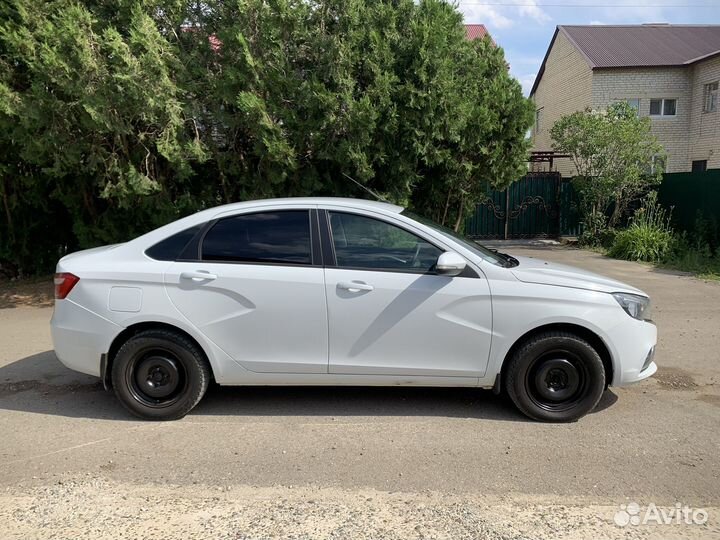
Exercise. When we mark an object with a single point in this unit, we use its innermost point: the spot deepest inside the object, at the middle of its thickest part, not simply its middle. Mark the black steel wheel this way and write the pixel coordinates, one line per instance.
(555, 377)
(160, 375)
(156, 378)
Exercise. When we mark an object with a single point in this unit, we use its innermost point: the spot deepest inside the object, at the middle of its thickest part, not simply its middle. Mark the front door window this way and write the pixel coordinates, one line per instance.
(366, 243)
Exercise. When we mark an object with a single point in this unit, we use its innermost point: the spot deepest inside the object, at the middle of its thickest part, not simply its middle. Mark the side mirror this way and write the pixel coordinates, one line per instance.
(450, 264)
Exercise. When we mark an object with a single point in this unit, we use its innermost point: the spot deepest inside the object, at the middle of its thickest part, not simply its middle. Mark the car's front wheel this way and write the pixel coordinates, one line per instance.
(160, 375)
(555, 377)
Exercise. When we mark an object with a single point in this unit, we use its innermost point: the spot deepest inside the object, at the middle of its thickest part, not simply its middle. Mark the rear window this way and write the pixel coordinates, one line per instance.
(171, 248)
(268, 237)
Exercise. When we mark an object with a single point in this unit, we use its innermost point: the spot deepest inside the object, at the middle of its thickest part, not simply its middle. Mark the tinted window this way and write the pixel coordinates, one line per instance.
(171, 248)
(268, 237)
(699, 165)
(362, 242)
(669, 107)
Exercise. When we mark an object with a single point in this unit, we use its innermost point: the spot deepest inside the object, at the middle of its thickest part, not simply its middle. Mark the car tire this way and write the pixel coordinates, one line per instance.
(160, 375)
(555, 377)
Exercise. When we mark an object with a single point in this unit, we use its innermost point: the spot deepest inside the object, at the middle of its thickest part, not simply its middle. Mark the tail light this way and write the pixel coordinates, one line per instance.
(64, 283)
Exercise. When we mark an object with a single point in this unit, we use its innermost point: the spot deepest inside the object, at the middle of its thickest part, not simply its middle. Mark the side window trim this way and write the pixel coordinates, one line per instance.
(191, 251)
(328, 249)
(315, 261)
(316, 255)
(185, 247)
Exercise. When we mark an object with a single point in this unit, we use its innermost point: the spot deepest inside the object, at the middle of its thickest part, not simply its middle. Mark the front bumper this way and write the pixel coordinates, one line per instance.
(634, 342)
(80, 336)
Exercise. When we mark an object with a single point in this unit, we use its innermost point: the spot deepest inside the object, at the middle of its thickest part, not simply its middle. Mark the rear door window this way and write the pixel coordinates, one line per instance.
(278, 237)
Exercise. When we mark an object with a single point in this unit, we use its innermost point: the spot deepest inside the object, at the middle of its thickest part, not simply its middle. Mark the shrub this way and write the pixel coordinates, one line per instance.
(705, 234)
(692, 255)
(594, 227)
(649, 236)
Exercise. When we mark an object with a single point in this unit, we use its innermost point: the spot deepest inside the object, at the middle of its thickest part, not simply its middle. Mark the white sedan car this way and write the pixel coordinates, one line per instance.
(323, 291)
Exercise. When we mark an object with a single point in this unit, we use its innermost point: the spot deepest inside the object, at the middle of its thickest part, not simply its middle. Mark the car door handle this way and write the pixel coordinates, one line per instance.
(355, 286)
(198, 276)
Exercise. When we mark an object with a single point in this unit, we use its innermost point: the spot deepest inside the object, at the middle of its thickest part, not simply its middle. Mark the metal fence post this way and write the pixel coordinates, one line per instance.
(507, 210)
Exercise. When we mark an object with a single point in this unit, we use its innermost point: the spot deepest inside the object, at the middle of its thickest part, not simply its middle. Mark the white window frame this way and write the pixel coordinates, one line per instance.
(662, 108)
(656, 161)
(710, 97)
(639, 101)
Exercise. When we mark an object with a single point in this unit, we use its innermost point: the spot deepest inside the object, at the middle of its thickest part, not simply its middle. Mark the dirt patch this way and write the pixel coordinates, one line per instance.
(36, 292)
(712, 399)
(675, 379)
(10, 388)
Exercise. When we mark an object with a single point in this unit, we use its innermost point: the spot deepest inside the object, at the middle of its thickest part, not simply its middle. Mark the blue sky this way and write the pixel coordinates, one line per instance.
(524, 27)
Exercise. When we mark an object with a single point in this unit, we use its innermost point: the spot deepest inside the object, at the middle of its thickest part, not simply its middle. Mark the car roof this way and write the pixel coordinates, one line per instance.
(215, 212)
(336, 201)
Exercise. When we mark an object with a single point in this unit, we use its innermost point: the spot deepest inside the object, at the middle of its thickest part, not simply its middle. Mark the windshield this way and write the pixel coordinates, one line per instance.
(499, 259)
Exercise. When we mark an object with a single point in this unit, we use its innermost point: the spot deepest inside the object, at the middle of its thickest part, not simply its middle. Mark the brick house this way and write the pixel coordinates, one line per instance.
(668, 72)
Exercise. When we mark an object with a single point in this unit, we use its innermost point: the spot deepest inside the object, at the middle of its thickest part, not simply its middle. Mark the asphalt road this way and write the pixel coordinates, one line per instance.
(365, 463)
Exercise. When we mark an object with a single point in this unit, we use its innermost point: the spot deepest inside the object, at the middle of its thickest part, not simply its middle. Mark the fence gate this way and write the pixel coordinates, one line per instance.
(528, 208)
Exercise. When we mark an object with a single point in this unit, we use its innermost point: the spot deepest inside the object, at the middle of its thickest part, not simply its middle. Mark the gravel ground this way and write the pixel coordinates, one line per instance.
(97, 509)
(364, 463)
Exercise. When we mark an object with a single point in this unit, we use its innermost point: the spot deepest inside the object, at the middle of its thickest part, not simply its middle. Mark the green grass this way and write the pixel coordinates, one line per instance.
(649, 238)
(692, 261)
(698, 262)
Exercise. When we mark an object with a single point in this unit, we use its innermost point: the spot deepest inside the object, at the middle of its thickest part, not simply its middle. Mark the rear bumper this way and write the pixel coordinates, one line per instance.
(80, 337)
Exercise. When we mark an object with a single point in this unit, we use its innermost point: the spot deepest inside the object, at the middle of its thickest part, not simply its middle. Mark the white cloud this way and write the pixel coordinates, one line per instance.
(503, 16)
(596, 23)
(487, 15)
(636, 12)
(531, 10)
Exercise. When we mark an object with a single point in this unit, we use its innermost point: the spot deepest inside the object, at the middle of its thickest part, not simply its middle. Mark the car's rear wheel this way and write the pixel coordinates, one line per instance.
(160, 375)
(555, 377)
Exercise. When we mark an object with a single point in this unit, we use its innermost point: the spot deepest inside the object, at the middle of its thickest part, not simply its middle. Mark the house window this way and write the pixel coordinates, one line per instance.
(663, 107)
(711, 97)
(634, 103)
(699, 165)
(537, 120)
(658, 163)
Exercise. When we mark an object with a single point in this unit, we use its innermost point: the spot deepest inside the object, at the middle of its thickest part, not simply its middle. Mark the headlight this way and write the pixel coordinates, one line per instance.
(635, 305)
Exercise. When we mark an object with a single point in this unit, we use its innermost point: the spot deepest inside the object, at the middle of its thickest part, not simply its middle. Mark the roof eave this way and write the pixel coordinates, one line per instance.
(541, 71)
(704, 57)
(664, 66)
(642, 66)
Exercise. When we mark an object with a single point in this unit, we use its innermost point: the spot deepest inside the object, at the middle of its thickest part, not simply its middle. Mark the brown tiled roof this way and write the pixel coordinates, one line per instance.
(646, 45)
(475, 31)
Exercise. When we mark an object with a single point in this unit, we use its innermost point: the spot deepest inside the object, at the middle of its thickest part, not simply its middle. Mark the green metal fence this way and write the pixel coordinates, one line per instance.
(690, 195)
(537, 205)
(546, 205)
